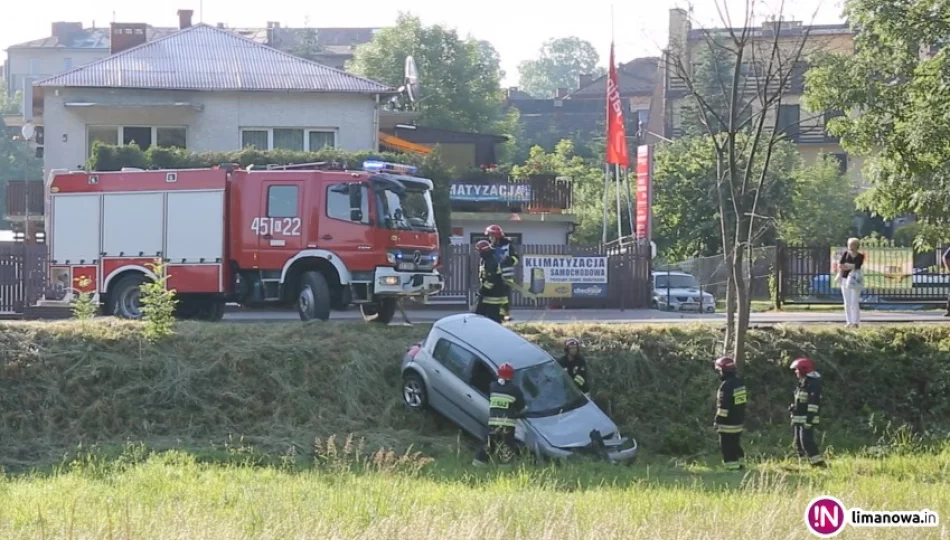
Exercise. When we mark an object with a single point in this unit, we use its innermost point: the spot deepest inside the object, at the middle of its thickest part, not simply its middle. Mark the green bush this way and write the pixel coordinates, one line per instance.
(158, 303)
(280, 384)
(114, 158)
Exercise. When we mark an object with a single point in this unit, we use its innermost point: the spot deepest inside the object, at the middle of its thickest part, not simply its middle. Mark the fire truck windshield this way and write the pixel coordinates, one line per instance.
(409, 210)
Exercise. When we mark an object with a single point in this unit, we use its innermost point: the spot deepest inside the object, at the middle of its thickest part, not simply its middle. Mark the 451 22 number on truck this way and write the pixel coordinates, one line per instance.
(312, 237)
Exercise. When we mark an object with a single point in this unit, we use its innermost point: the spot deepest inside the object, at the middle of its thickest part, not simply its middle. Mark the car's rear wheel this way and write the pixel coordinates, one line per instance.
(414, 393)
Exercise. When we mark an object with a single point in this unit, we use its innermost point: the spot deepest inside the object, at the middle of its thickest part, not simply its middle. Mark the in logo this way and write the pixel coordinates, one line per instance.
(825, 516)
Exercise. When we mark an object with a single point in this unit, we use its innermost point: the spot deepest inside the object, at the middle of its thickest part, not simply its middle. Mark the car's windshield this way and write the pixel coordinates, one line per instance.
(676, 282)
(548, 390)
(410, 211)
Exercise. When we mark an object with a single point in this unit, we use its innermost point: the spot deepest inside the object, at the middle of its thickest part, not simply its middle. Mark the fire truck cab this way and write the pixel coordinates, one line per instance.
(307, 237)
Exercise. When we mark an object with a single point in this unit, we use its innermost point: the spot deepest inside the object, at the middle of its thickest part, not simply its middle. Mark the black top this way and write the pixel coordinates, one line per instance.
(731, 401)
(576, 368)
(856, 260)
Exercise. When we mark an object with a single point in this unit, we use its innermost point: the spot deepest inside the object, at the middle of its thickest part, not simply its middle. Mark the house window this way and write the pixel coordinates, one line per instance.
(842, 158)
(338, 203)
(299, 139)
(144, 136)
(282, 201)
(789, 119)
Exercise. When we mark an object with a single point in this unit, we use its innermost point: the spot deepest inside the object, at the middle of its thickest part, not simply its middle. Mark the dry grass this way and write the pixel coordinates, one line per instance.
(173, 496)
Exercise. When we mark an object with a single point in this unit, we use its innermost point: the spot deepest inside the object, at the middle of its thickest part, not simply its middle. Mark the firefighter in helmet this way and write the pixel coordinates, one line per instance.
(730, 414)
(493, 291)
(804, 410)
(506, 405)
(575, 365)
(507, 259)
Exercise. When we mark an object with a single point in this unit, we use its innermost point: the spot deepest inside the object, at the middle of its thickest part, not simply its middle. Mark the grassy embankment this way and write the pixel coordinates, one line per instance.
(241, 406)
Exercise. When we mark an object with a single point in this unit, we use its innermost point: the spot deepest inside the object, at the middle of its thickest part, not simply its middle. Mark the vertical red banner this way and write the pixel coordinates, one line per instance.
(645, 193)
(616, 134)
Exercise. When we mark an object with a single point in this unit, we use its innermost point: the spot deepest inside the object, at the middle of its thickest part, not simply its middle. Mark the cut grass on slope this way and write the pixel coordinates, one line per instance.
(283, 385)
(172, 496)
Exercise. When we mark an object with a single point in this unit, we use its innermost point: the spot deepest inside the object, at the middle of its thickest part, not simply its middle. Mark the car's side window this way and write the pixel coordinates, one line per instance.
(455, 358)
(481, 378)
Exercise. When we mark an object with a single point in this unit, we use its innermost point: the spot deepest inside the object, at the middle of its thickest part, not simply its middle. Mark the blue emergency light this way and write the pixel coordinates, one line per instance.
(384, 166)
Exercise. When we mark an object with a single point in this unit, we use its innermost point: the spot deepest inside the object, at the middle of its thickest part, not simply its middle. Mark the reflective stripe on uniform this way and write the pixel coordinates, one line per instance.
(728, 429)
(816, 459)
(494, 300)
(500, 401)
(722, 412)
(739, 396)
(813, 408)
(798, 419)
(732, 465)
(814, 420)
(503, 422)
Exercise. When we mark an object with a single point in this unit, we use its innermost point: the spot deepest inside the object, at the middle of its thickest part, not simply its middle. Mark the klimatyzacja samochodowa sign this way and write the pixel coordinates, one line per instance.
(565, 276)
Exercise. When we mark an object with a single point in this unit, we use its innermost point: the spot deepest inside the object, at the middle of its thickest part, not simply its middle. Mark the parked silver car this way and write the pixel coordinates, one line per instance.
(451, 372)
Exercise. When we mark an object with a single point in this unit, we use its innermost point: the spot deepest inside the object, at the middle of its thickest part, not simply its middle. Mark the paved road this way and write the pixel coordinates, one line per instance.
(617, 316)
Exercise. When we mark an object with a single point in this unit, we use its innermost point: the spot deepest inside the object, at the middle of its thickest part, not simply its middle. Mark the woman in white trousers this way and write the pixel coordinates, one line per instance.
(851, 278)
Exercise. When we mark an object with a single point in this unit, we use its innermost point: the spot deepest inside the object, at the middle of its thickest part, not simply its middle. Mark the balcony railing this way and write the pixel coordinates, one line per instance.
(24, 198)
(537, 194)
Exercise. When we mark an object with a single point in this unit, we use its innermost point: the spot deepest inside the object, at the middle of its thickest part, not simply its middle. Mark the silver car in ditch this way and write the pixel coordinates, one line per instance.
(451, 370)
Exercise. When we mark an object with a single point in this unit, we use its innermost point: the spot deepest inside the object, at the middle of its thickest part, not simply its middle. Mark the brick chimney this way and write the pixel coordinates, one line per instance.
(184, 18)
(561, 93)
(62, 30)
(585, 81)
(128, 35)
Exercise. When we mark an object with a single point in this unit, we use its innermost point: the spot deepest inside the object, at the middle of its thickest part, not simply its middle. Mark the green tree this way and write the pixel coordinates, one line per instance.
(823, 208)
(560, 64)
(9, 103)
(460, 78)
(308, 44)
(17, 161)
(747, 147)
(587, 177)
(894, 85)
(686, 212)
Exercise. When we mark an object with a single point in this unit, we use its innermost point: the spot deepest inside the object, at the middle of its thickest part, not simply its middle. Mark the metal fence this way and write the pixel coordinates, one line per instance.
(712, 276)
(22, 276)
(627, 278)
(892, 275)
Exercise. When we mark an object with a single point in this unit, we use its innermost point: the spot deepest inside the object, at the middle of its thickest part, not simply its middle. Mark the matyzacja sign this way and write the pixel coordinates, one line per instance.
(490, 192)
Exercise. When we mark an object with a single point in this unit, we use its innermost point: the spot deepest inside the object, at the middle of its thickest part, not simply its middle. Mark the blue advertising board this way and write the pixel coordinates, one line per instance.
(460, 191)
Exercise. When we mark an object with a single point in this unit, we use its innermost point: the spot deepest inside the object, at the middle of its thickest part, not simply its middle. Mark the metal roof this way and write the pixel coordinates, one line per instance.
(204, 58)
(496, 342)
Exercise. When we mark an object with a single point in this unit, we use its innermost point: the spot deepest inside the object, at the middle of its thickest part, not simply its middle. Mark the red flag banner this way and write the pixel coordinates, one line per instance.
(616, 135)
(645, 192)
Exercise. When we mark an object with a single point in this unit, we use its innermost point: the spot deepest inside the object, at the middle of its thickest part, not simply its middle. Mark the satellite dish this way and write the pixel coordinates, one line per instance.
(412, 80)
(28, 130)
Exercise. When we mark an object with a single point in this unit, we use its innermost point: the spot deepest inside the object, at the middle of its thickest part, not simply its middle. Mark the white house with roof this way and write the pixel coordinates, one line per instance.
(204, 89)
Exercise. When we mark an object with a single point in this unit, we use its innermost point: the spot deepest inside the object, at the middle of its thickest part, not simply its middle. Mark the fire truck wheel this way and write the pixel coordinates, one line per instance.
(313, 300)
(212, 310)
(380, 312)
(125, 297)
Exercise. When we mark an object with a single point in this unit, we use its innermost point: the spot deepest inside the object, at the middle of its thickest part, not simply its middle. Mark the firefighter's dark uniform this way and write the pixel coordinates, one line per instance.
(507, 260)
(493, 293)
(805, 417)
(730, 416)
(505, 405)
(576, 368)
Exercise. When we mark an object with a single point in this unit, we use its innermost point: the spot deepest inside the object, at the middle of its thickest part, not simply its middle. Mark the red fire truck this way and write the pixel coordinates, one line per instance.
(306, 236)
